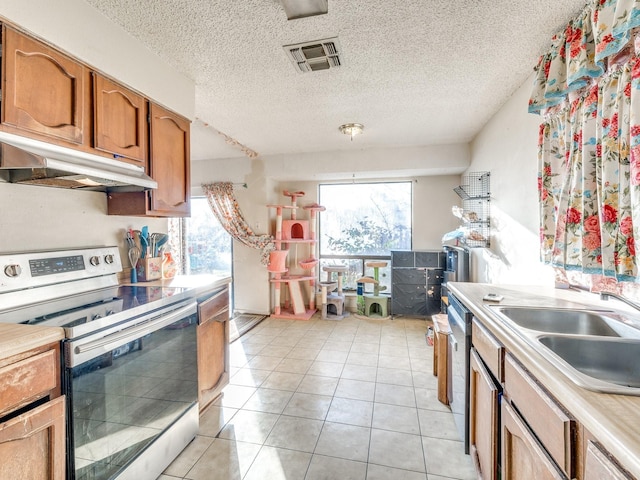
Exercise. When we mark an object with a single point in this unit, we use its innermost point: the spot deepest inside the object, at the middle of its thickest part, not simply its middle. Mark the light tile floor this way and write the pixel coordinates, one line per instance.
(321, 399)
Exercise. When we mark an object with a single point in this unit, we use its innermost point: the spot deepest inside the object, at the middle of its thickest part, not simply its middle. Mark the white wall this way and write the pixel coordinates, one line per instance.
(250, 277)
(507, 147)
(44, 218)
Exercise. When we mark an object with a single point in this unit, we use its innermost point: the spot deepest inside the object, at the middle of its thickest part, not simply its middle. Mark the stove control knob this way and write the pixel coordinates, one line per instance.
(96, 316)
(95, 261)
(108, 259)
(12, 270)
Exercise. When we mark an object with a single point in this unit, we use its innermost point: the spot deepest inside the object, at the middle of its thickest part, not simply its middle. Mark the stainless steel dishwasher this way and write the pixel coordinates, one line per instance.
(459, 351)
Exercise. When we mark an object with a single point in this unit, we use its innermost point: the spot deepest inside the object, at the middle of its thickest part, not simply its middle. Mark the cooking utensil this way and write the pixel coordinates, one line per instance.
(159, 240)
(134, 257)
(144, 244)
(129, 238)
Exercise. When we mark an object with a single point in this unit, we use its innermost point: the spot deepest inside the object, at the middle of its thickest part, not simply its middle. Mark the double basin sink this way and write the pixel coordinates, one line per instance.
(596, 349)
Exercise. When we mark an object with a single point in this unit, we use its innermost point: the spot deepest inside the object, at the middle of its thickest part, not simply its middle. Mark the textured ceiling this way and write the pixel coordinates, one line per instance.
(415, 72)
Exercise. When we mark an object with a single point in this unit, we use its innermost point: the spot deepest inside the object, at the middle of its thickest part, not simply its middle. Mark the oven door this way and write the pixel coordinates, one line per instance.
(125, 387)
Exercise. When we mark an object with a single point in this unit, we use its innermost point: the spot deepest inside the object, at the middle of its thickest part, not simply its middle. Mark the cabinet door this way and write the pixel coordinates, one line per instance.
(522, 455)
(552, 424)
(213, 347)
(32, 445)
(483, 418)
(43, 90)
(170, 158)
(120, 125)
(599, 465)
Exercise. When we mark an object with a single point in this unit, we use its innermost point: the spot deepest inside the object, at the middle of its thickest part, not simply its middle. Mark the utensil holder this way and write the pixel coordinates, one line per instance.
(149, 268)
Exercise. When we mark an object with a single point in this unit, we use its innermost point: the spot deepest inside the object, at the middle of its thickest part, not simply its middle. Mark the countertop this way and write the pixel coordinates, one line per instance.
(16, 339)
(613, 419)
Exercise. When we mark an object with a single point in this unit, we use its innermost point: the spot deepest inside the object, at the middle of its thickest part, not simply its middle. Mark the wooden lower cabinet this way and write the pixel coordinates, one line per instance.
(32, 415)
(599, 464)
(554, 427)
(213, 347)
(522, 455)
(32, 445)
(484, 418)
(441, 354)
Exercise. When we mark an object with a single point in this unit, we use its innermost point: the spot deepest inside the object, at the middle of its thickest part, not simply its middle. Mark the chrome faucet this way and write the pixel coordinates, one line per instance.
(606, 295)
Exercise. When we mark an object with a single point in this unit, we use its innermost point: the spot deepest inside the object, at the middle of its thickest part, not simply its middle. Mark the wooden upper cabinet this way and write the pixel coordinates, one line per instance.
(44, 91)
(170, 162)
(169, 165)
(119, 122)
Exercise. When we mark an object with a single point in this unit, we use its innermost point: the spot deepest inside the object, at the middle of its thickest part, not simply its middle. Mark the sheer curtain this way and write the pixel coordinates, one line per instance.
(226, 209)
(587, 89)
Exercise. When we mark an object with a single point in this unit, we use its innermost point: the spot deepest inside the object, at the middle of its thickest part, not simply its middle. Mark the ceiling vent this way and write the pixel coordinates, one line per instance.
(313, 56)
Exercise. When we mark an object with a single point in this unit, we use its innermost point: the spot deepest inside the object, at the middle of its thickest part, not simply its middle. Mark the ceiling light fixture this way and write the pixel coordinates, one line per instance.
(351, 129)
(304, 8)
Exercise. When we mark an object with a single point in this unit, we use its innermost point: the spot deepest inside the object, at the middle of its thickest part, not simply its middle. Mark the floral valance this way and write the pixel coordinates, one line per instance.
(588, 89)
(583, 51)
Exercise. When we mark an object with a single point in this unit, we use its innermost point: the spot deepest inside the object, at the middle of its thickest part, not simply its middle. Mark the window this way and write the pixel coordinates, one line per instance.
(364, 222)
(205, 245)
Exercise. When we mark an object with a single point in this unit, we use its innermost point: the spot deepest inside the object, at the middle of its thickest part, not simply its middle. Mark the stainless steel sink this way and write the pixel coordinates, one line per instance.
(563, 321)
(597, 363)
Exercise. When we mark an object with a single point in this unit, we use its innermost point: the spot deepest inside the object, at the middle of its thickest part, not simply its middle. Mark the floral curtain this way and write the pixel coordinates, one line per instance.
(226, 209)
(587, 88)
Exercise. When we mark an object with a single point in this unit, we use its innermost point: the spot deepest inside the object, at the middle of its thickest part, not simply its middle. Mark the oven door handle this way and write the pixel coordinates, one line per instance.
(129, 334)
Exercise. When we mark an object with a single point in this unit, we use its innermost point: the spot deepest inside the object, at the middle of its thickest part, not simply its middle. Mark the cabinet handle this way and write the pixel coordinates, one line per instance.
(179, 204)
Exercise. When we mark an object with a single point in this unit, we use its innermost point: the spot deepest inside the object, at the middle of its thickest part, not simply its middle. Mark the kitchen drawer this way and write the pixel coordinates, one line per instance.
(412, 276)
(214, 306)
(489, 349)
(550, 422)
(28, 380)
